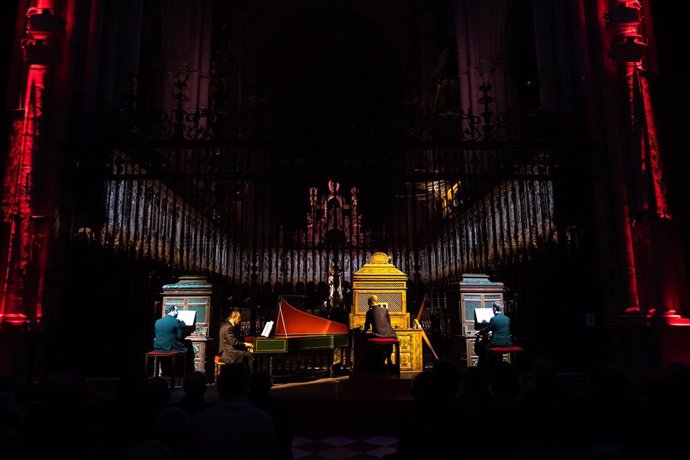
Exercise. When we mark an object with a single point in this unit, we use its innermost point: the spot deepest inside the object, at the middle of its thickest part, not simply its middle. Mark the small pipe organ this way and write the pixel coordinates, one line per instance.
(389, 284)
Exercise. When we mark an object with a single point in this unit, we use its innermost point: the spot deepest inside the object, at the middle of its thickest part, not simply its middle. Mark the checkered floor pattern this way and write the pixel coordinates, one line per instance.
(343, 447)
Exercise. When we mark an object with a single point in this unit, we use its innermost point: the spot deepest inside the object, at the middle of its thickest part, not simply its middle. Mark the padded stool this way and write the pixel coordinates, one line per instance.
(376, 341)
(511, 351)
(157, 356)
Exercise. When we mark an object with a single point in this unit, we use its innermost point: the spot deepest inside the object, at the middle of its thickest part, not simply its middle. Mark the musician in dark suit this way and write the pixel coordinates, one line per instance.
(377, 317)
(495, 334)
(499, 326)
(233, 348)
(169, 332)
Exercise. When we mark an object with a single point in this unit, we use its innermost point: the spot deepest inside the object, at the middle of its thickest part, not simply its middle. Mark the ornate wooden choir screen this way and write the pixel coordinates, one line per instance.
(209, 210)
(220, 211)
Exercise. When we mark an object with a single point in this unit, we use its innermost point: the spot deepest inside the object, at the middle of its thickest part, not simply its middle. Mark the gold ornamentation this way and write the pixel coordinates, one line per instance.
(381, 278)
(411, 359)
(380, 258)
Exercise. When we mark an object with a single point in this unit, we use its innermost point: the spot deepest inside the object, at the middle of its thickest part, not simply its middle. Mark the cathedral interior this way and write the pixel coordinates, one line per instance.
(273, 147)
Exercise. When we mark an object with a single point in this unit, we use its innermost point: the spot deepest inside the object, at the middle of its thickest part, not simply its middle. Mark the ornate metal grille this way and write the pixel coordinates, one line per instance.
(393, 299)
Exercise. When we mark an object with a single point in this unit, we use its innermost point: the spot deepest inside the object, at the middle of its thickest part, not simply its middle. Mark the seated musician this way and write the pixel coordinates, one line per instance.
(377, 317)
(233, 348)
(495, 334)
(169, 332)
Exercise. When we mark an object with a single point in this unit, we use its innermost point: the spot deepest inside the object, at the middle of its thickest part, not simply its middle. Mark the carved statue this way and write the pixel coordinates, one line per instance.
(333, 187)
(335, 284)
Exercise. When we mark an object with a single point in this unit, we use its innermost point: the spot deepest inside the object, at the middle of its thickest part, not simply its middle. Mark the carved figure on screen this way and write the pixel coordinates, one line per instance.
(313, 196)
(335, 284)
(354, 191)
(331, 282)
(333, 188)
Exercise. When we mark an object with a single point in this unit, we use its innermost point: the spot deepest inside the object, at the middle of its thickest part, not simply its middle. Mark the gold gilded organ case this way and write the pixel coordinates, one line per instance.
(381, 278)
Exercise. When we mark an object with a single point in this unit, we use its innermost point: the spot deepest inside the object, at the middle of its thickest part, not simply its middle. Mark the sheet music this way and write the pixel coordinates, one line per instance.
(267, 329)
(188, 316)
(483, 315)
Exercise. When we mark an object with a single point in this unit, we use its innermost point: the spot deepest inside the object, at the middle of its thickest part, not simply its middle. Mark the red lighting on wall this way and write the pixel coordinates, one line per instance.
(631, 277)
(652, 145)
(17, 203)
(25, 236)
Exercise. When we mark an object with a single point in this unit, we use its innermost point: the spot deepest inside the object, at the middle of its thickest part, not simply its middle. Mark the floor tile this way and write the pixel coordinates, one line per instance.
(338, 441)
(362, 446)
(382, 451)
(381, 440)
(337, 447)
(299, 440)
(338, 453)
(299, 453)
(315, 446)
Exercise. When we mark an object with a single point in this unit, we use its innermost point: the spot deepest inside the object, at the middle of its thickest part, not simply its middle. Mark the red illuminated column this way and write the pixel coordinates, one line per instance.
(651, 249)
(25, 239)
(609, 113)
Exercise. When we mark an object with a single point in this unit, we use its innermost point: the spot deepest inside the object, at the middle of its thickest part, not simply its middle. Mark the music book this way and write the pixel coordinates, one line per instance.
(187, 316)
(483, 315)
(267, 329)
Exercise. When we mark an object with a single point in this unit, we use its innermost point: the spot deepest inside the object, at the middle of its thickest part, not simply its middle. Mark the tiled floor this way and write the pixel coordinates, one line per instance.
(343, 447)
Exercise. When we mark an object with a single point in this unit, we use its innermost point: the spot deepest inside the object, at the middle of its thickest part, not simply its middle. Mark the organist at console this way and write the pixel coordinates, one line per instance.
(381, 278)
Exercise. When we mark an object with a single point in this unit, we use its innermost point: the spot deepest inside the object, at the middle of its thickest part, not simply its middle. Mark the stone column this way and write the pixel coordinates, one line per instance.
(649, 217)
(25, 240)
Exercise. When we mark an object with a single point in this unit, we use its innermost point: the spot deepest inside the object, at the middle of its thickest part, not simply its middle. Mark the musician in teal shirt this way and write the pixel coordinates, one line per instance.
(495, 334)
(170, 332)
(499, 325)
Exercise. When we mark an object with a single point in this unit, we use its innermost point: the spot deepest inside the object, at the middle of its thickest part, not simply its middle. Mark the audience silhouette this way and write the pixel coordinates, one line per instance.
(536, 415)
(233, 427)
